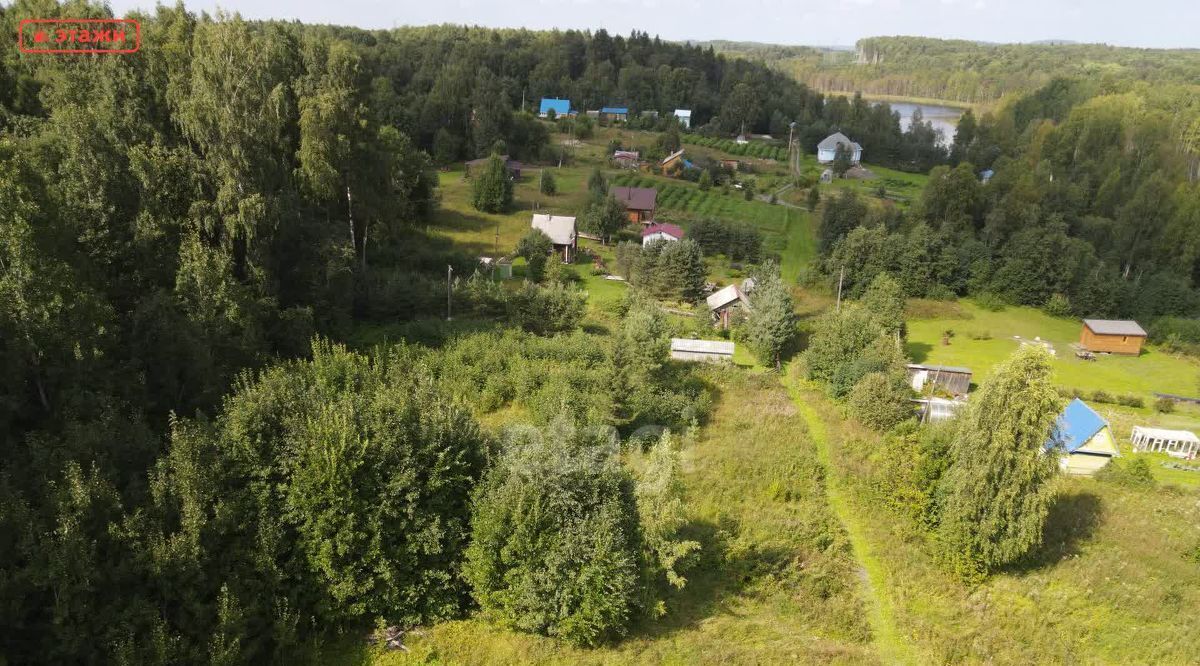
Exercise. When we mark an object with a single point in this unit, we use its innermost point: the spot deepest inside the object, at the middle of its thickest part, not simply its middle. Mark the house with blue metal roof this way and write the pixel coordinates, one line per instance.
(560, 107)
(1083, 439)
(615, 113)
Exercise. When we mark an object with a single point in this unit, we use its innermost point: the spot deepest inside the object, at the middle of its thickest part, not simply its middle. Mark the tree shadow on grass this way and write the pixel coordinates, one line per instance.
(1072, 520)
(918, 351)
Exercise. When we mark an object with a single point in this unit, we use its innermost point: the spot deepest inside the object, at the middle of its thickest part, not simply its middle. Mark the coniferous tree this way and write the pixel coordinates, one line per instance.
(492, 190)
(546, 183)
(997, 489)
(771, 323)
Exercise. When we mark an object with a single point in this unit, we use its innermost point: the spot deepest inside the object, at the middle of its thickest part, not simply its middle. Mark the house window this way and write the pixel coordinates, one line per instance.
(1124, 338)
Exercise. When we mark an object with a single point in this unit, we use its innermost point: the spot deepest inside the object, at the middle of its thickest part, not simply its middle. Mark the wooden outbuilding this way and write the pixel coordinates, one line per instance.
(672, 163)
(1113, 336)
(704, 351)
(724, 302)
(639, 202)
(561, 230)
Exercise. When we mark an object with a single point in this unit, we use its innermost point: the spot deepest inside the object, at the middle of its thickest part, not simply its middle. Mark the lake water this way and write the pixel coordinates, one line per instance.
(944, 118)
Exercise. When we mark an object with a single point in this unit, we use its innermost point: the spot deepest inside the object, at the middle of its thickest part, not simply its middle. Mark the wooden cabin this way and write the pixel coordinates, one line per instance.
(1113, 336)
(723, 303)
(561, 230)
(639, 202)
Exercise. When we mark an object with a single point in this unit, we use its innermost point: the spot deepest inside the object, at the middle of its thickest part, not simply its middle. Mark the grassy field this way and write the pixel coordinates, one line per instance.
(775, 583)
(982, 339)
(1112, 584)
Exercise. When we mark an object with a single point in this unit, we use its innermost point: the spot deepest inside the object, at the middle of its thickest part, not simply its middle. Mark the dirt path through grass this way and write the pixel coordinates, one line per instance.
(890, 645)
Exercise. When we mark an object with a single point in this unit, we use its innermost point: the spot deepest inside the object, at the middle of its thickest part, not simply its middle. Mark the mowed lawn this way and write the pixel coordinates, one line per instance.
(982, 339)
(774, 582)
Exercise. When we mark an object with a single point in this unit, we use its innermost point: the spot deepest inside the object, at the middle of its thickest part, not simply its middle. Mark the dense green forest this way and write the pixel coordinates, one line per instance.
(965, 71)
(187, 477)
(1093, 208)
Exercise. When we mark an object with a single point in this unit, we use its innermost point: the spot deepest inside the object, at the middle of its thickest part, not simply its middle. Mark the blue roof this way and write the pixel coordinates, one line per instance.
(615, 109)
(561, 106)
(1075, 426)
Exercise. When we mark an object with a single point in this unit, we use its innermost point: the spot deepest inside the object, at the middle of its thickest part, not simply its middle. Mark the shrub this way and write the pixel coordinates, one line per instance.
(990, 301)
(1164, 405)
(881, 400)
(1133, 472)
(549, 309)
(1130, 400)
(1057, 306)
(1100, 395)
(555, 546)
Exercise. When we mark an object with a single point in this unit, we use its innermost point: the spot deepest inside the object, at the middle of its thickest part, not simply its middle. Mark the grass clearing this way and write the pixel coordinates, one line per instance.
(983, 338)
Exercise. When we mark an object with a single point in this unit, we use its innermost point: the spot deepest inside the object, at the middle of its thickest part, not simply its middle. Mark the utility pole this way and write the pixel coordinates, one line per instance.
(449, 274)
(841, 276)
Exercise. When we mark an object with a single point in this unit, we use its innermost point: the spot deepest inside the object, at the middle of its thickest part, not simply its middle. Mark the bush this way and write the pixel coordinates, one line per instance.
(1164, 405)
(881, 400)
(990, 301)
(555, 545)
(1057, 306)
(550, 309)
(1133, 472)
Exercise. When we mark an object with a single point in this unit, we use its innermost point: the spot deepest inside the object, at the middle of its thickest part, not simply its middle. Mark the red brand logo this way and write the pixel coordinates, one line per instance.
(79, 36)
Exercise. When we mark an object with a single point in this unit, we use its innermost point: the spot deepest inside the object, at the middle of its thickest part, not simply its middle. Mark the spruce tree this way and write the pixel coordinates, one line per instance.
(997, 490)
(771, 324)
(492, 191)
(814, 198)
(546, 184)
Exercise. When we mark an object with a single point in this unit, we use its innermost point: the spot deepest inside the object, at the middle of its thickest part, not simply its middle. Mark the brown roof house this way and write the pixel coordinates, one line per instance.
(1114, 336)
(561, 230)
(639, 202)
(724, 302)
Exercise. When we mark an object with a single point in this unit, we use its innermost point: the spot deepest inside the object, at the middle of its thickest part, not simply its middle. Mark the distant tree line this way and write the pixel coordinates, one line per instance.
(1093, 209)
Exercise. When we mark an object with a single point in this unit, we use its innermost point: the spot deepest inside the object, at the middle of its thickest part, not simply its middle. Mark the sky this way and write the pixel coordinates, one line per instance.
(1149, 23)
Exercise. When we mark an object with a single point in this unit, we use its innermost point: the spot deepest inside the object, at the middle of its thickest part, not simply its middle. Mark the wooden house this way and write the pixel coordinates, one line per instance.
(1115, 336)
(639, 202)
(1082, 439)
(704, 351)
(561, 230)
(672, 163)
(725, 302)
(827, 149)
(955, 381)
